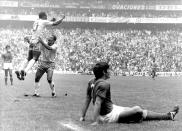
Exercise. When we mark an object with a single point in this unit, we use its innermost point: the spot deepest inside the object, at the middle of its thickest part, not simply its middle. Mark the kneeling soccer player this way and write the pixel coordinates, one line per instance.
(106, 112)
(46, 64)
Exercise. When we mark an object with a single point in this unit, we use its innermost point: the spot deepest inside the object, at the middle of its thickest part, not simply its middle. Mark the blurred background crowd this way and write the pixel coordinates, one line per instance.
(125, 50)
(128, 47)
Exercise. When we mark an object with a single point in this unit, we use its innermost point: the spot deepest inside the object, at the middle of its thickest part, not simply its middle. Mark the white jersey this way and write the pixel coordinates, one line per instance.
(39, 28)
(40, 25)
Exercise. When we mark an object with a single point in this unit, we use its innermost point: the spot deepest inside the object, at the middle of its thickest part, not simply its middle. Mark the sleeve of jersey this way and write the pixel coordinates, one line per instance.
(89, 90)
(47, 22)
(35, 25)
(102, 91)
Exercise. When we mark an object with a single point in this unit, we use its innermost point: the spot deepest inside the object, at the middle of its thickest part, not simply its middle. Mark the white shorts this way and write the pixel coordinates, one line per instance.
(7, 66)
(113, 116)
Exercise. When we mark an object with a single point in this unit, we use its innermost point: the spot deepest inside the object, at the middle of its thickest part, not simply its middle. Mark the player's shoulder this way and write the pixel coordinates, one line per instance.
(92, 80)
(102, 83)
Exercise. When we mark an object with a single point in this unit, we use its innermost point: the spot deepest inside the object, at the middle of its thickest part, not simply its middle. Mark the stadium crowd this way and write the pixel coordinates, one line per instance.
(93, 12)
(126, 50)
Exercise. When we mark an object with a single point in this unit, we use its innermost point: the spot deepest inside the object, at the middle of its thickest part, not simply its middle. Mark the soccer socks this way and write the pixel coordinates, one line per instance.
(53, 89)
(37, 86)
(11, 80)
(157, 116)
(6, 80)
(162, 116)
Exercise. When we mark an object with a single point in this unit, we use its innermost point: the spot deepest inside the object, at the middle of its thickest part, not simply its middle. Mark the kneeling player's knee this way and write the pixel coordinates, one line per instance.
(49, 81)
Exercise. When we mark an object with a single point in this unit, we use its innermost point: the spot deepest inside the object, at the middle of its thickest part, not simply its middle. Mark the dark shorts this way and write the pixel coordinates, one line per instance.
(44, 67)
(33, 54)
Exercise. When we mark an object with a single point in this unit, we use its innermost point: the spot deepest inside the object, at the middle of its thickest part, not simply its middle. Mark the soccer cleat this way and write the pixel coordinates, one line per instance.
(18, 75)
(53, 94)
(174, 112)
(23, 74)
(36, 95)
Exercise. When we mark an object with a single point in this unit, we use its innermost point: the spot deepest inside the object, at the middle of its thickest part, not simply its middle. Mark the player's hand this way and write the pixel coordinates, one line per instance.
(82, 118)
(26, 39)
(95, 123)
(63, 16)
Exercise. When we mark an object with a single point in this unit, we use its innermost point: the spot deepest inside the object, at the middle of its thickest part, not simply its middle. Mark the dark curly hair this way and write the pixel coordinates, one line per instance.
(99, 68)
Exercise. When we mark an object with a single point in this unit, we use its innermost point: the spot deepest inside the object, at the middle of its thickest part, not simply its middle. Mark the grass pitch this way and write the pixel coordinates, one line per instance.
(26, 113)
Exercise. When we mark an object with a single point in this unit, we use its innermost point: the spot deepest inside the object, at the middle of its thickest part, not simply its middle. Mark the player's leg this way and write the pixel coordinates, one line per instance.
(50, 81)
(162, 116)
(131, 114)
(6, 76)
(29, 66)
(24, 64)
(38, 76)
(31, 63)
(11, 76)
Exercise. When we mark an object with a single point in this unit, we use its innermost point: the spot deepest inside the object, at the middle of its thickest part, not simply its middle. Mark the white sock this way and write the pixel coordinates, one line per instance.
(37, 86)
(52, 87)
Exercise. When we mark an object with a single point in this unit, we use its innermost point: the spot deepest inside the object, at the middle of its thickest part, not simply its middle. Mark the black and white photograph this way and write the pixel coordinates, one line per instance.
(90, 65)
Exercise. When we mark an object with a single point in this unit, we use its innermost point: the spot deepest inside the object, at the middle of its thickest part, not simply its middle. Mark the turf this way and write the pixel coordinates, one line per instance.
(26, 113)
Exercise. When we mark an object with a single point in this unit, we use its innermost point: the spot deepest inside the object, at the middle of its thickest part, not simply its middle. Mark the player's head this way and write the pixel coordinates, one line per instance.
(7, 48)
(51, 40)
(101, 70)
(53, 19)
(43, 15)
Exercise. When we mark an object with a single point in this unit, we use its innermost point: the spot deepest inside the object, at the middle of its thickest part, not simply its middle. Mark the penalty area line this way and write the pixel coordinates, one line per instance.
(72, 126)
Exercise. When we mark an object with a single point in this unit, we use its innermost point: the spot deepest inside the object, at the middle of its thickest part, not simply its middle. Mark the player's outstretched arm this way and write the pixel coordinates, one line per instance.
(59, 21)
(97, 108)
(85, 108)
(53, 47)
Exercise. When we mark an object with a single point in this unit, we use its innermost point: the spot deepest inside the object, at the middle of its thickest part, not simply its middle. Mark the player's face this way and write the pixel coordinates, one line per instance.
(107, 74)
(50, 41)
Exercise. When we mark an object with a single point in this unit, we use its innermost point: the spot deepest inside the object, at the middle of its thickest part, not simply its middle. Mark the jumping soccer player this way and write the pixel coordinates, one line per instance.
(33, 55)
(105, 111)
(39, 29)
(7, 64)
(46, 64)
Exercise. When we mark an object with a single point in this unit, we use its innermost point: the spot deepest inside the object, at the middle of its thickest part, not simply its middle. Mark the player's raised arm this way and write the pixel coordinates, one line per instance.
(59, 21)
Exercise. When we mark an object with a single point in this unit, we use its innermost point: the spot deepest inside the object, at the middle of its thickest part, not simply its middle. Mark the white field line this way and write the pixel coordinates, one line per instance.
(70, 125)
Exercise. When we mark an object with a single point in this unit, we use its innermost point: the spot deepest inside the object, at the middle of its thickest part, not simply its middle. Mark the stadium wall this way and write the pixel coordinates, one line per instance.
(85, 25)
